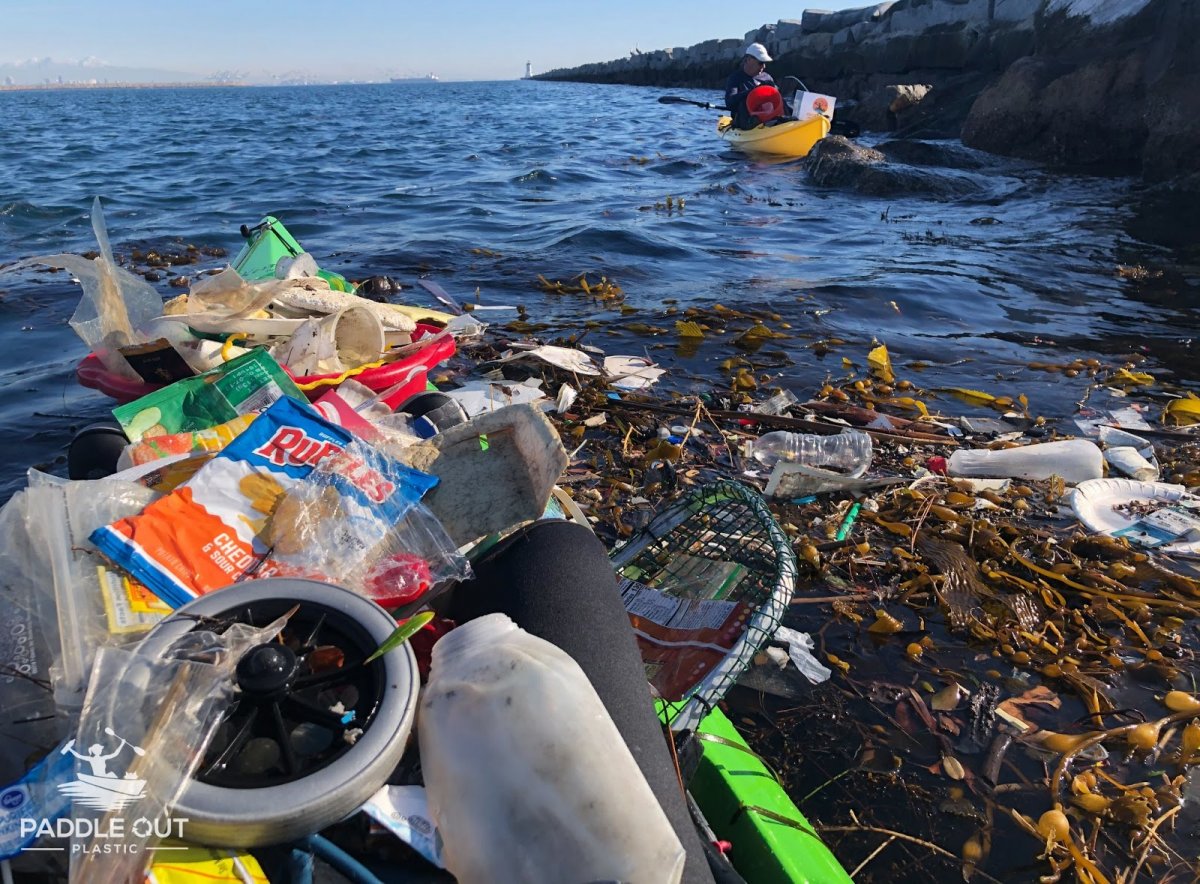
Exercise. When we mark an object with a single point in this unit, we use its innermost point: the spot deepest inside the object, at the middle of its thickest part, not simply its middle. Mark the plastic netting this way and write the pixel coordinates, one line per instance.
(720, 546)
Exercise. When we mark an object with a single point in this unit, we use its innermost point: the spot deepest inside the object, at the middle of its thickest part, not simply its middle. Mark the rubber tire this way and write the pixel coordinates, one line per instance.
(94, 451)
(239, 818)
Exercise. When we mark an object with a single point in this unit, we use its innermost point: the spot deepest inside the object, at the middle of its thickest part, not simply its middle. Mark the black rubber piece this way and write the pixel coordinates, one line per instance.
(94, 451)
(433, 412)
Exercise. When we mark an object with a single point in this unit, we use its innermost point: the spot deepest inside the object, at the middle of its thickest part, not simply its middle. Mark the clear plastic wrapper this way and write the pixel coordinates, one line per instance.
(94, 604)
(29, 644)
(116, 304)
(416, 557)
(144, 729)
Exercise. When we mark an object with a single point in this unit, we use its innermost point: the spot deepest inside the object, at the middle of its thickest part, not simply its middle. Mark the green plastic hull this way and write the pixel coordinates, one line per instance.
(772, 841)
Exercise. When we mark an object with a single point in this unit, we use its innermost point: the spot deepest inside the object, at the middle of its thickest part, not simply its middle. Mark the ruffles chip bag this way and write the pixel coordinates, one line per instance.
(293, 493)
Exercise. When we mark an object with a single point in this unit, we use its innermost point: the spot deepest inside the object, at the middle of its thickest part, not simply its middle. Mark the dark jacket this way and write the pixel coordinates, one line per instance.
(737, 87)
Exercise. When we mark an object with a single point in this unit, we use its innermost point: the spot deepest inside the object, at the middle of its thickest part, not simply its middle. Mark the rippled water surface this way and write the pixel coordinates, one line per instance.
(487, 185)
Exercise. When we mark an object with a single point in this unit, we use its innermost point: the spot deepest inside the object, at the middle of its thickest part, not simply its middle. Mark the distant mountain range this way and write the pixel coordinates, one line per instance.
(39, 71)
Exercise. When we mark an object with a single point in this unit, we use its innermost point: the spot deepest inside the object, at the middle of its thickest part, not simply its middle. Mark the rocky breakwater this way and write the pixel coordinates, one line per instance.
(890, 58)
(1111, 85)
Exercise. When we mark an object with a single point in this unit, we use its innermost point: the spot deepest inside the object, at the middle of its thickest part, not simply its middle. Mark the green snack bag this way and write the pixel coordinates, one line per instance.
(249, 383)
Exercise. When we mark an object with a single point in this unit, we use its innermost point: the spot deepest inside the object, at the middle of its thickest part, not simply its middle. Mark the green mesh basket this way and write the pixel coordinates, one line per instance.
(715, 552)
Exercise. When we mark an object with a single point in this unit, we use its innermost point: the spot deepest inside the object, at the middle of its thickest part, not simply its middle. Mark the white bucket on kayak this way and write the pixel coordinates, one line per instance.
(333, 343)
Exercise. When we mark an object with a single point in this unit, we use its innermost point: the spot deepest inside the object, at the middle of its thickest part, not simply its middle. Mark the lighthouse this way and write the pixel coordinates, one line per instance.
(528, 71)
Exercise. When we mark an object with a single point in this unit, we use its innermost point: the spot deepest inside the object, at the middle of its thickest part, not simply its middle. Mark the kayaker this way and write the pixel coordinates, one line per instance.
(749, 75)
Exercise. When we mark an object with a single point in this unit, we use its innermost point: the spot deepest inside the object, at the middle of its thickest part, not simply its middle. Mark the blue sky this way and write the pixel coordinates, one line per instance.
(457, 39)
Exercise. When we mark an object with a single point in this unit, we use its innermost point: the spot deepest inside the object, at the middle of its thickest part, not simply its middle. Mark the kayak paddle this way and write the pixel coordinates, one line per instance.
(672, 99)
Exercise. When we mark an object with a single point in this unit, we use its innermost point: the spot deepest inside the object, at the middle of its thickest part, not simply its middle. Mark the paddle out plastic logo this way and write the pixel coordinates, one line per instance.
(101, 783)
(102, 789)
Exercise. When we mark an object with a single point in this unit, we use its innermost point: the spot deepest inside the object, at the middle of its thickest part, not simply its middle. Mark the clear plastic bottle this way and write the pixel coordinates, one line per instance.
(848, 452)
(528, 778)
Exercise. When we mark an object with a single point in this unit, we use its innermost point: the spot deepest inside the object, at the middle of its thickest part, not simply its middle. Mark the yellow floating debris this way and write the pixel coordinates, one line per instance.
(909, 403)
(974, 397)
(1123, 377)
(1182, 412)
(880, 364)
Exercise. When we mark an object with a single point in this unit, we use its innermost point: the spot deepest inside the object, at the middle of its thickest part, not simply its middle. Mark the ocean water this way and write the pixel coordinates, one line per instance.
(484, 186)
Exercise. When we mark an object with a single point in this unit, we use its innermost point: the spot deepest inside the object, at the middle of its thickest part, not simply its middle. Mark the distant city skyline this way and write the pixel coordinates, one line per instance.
(366, 39)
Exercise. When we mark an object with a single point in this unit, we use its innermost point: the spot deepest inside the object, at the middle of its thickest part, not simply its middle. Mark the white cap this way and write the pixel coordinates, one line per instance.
(757, 50)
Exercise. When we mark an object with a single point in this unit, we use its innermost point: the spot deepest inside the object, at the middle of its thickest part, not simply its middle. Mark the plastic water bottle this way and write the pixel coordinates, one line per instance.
(528, 778)
(1073, 459)
(848, 452)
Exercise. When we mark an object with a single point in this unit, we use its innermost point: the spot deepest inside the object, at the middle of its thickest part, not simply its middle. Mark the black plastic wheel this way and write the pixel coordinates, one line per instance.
(314, 731)
(94, 451)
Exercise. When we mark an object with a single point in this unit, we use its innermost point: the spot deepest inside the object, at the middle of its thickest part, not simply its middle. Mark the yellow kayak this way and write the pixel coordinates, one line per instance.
(794, 138)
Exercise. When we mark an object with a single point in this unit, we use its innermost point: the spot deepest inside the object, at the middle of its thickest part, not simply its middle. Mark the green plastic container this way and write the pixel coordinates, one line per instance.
(266, 243)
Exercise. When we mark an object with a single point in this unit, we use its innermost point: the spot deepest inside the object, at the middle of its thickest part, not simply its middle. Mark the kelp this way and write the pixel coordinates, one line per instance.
(979, 641)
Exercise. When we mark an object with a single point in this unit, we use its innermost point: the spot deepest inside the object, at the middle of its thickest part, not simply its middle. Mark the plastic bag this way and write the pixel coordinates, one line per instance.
(152, 715)
(28, 646)
(115, 305)
(259, 497)
(417, 556)
(94, 605)
(33, 800)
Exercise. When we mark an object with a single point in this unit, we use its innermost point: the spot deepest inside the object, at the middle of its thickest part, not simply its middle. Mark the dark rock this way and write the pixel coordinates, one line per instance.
(1047, 110)
(377, 288)
(926, 153)
(839, 162)
(1116, 96)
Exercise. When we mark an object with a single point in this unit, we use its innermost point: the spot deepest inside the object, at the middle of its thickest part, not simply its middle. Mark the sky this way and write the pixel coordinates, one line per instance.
(372, 39)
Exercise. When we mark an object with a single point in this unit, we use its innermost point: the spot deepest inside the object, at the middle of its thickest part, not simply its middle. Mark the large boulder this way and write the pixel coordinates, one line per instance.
(1113, 87)
(844, 164)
